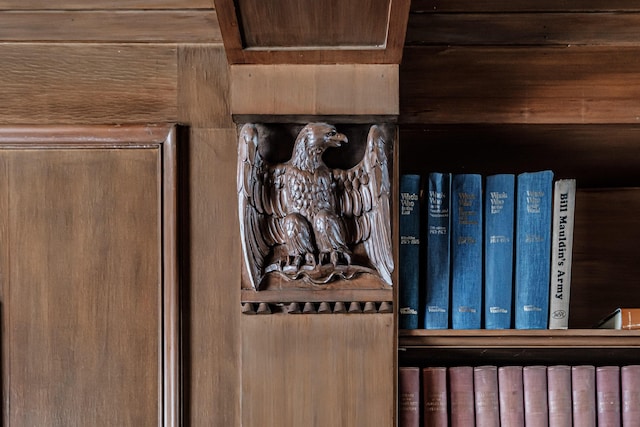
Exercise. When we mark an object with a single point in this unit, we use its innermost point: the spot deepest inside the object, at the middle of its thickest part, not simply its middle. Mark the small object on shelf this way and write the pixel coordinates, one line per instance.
(564, 206)
(408, 396)
(434, 397)
(583, 392)
(621, 318)
(499, 217)
(510, 394)
(536, 407)
(438, 249)
(466, 251)
(533, 249)
(409, 252)
(485, 389)
(559, 395)
(461, 396)
(608, 395)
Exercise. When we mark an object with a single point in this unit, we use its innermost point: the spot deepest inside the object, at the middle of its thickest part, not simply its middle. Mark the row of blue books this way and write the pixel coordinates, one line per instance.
(486, 261)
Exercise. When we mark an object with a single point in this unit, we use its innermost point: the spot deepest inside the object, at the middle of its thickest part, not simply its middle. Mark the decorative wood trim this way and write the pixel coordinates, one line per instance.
(325, 90)
(344, 295)
(391, 53)
(322, 307)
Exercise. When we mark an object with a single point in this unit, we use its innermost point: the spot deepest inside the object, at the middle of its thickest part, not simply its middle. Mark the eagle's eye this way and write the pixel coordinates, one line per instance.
(331, 133)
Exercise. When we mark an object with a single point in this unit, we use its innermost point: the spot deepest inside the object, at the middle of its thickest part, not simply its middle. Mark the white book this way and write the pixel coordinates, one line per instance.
(564, 206)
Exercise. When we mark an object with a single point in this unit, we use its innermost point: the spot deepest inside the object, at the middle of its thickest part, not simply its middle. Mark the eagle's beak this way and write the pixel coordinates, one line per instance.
(337, 140)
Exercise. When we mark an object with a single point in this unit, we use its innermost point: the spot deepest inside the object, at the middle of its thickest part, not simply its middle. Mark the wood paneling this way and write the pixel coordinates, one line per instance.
(210, 253)
(83, 287)
(203, 87)
(489, 6)
(524, 29)
(197, 26)
(588, 84)
(296, 23)
(87, 83)
(104, 4)
(318, 370)
(314, 89)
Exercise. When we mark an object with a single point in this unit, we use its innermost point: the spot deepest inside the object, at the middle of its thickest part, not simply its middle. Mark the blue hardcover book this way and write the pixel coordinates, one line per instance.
(466, 251)
(499, 210)
(409, 276)
(438, 203)
(533, 249)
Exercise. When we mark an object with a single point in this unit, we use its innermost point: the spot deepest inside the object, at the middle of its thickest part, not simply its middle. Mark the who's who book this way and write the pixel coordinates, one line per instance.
(438, 201)
(466, 251)
(564, 205)
(409, 251)
(498, 250)
(533, 249)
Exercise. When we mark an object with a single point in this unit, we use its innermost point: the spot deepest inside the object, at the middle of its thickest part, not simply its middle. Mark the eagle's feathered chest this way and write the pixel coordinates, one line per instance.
(307, 192)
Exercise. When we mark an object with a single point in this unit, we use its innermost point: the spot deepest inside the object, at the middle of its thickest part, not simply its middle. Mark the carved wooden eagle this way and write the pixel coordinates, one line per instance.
(302, 216)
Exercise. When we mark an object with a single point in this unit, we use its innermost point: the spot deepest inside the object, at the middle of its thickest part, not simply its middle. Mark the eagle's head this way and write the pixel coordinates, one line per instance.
(312, 141)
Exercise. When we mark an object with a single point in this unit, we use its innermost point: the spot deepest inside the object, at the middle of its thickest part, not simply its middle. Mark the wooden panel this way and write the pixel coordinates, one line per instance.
(203, 87)
(314, 89)
(620, 29)
(83, 287)
(87, 83)
(111, 26)
(296, 23)
(435, 6)
(300, 52)
(211, 254)
(596, 155)
(520, 85)
(318, 370)
(104, 4)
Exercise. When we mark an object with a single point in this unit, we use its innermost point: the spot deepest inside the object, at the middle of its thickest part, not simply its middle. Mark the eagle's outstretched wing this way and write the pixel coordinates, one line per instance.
(363, 195)
(260, 207)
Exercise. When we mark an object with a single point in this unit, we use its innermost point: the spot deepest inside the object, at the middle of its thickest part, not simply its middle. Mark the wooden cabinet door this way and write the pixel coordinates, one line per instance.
(87, 276)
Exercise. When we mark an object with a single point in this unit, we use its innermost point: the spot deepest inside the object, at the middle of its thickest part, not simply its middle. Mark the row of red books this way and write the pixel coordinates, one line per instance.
(557, 395)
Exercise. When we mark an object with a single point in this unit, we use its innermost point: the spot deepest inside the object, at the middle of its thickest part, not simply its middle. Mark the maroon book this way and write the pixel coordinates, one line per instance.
(608, 395)
(559, 396)
(510, 394)
(434, 396)
(408, 396)
(485, 383)
(630, 386)
(583, 392)
(536, 409)
(462, 413)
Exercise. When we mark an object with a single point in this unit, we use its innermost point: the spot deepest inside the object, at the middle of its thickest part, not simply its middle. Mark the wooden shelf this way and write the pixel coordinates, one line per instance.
(476, 347)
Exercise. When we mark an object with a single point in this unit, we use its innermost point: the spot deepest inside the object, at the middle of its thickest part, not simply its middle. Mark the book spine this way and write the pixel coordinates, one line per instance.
(409, 252)
(583, 393)
(630, 394)
(533, 249)
(461, 396)
(485, 383)
(608, 395)
(630, 318)
(434, 397)
(559, 396)
(498, 248)
(408, 396)
(535, 396)
(510, 394)
(564, 206)
(466, 251)
(438, 199)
